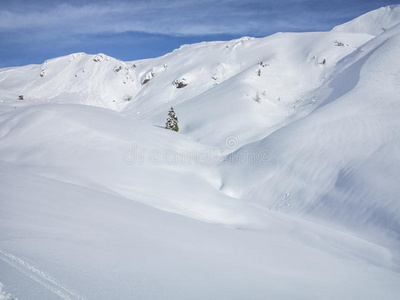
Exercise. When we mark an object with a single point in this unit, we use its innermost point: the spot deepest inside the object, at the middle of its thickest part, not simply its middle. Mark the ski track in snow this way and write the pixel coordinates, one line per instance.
(39, 276)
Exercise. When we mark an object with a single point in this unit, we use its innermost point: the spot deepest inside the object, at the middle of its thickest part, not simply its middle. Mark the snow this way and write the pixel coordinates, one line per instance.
(328, 159)
(374, 22)
(282, 182)
(97, 80)
(95, 245)
(4, 295)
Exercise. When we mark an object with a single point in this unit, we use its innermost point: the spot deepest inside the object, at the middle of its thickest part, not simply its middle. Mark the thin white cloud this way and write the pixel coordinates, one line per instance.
(158, 17)
(72, 19)
(36, 30)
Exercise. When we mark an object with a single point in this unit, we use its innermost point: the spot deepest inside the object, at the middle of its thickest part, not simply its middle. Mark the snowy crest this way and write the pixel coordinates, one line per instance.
(374, 22)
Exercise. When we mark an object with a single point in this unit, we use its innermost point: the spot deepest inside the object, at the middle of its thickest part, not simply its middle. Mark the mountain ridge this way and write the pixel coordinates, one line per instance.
(374, 22)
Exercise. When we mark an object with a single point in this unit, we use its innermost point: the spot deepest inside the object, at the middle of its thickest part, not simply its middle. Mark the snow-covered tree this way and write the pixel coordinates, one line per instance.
(172, 121)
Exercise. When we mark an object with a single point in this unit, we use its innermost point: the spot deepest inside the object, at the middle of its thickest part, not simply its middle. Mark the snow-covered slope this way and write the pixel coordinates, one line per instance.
(98, 80)
(340, 163)
(254, 85)
(374, 22)
(260, 82)
(103, 150)
(67, 241)
(282, 182)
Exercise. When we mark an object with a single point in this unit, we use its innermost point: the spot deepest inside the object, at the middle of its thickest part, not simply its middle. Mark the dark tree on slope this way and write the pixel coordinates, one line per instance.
(172, 121)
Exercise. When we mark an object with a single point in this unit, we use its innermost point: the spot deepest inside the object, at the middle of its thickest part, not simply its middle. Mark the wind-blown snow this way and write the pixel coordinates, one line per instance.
(282, 182)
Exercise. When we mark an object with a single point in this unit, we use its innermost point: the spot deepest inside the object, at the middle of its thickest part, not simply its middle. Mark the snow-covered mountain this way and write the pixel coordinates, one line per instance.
(282, 182)
(97, 80)
(347, 170)
(374, 22)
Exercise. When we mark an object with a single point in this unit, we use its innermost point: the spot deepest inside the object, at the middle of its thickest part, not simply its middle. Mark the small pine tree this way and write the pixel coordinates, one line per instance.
(172, 121)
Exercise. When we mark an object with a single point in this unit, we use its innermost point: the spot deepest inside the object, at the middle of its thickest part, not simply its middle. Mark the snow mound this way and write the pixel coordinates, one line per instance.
(122, 157)
(374, 22)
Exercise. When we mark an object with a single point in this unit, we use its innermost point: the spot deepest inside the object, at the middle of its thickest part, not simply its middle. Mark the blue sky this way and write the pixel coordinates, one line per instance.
(32, 31)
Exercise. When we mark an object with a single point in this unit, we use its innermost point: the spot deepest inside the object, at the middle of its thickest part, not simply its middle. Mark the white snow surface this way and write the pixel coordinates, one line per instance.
(4, 295)
(374, 22)
(282, 183)
(98, 80)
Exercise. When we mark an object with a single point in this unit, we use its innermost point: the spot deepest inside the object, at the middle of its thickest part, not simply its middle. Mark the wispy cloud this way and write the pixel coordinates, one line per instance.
(173, 18)
(28, 27)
